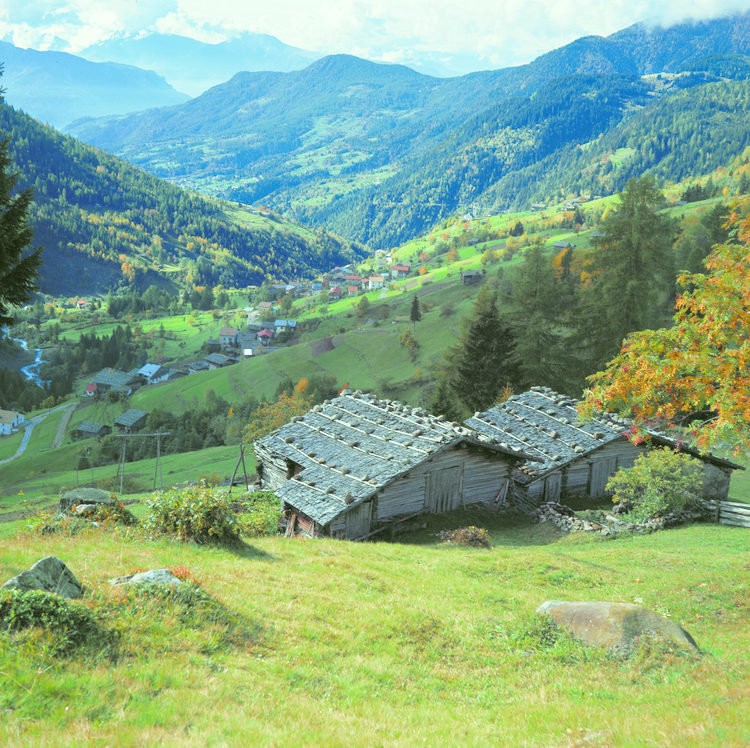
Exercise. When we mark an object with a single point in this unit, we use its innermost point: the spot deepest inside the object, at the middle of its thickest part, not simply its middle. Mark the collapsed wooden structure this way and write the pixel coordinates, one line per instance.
(353, 465)
(575, 457)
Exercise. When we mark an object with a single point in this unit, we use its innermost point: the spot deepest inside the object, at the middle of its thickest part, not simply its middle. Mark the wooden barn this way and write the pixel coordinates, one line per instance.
(576, 458)
(353, 465)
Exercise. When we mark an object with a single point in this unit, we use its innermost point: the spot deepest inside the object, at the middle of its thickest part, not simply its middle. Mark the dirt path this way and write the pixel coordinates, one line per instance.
(63, 425)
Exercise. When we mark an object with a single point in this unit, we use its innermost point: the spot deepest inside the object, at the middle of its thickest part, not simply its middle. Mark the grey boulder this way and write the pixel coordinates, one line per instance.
(153, 576)
(50, 575)
(613, 625)
(84, 496)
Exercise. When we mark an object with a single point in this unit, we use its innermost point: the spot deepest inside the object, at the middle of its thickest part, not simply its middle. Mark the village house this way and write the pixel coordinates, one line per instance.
(400, 270)
(574, 457)
(10, 421)
(265, 336)
(354, 465)
(335, 293)
(131, 420)
(355, 280)
(375, 281)
(154, 373)
(114, 380)
(219, 360)
(471, 277)
(228, 337)
(247, 343)
(89, 429)
(197, 366)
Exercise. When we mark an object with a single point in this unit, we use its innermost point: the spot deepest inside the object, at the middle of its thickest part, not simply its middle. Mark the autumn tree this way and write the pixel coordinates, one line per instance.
(698, 370)
(271, 416)
(363, 307)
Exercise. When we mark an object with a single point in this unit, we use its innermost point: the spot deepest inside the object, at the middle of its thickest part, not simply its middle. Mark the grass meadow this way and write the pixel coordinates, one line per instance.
(330, 643)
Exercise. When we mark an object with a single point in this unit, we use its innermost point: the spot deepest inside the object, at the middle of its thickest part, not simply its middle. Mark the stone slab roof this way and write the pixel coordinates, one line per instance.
(113, 378)
(546, 424)
(354, 445)
(90, 427)
(130, 417)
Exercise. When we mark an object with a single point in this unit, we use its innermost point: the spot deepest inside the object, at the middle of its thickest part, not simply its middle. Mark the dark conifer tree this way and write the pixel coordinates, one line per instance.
(483, 363)
(416, 312)
(18, 267)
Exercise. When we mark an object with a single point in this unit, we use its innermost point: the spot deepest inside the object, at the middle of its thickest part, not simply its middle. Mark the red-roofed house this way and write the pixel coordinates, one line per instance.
(265, 336)
(400, 270)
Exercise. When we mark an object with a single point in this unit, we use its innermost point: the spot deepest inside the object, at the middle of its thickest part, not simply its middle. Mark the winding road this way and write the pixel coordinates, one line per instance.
(38, 419)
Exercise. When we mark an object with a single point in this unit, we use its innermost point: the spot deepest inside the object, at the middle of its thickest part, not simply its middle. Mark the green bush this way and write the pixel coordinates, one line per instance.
(659, 482)
(70, 625)
(196, 513)
(259, 513)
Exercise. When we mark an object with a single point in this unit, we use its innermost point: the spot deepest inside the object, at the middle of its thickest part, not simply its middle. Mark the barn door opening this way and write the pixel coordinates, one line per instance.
(600, 474)
(358, 521)
(443, 490)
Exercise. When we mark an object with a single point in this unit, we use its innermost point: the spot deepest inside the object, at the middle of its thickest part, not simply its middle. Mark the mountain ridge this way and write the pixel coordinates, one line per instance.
(58, 87)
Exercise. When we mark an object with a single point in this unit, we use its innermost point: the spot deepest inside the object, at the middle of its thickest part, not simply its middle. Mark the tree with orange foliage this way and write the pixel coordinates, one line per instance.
(271, 416)
(700, 367)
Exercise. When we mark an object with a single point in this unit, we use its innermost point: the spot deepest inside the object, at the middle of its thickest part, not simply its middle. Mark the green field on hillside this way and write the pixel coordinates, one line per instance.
(323, 642)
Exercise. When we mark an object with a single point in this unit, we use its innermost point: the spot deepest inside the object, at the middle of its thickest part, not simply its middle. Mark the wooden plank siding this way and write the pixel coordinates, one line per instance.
(585, 477)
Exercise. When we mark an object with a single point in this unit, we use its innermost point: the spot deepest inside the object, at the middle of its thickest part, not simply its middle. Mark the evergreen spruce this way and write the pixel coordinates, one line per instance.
(18, 269)
(416, 312)
(482, 363)
(632, 272)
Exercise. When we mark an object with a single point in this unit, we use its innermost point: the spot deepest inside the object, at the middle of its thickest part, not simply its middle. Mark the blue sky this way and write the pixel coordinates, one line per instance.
(485, 33)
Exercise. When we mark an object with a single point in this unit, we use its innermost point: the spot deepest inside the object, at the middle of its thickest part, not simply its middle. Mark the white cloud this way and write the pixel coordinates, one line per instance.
(501, 31)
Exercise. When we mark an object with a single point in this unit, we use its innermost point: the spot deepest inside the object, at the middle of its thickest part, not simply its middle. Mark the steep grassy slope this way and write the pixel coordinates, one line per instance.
(331, 643)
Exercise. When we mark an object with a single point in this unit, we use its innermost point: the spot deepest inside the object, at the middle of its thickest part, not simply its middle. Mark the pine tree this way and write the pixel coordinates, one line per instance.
(416, 312)
(632, 271)
(482, 363)
(18, 269)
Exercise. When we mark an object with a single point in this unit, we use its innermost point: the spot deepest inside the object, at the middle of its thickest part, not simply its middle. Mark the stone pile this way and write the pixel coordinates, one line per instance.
(608, 524)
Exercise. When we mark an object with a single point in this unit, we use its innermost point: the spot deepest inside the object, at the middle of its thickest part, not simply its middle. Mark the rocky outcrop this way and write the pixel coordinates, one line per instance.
(84, 497)
(613, 625)
(608, 524)
(153, 576)
(50, 575)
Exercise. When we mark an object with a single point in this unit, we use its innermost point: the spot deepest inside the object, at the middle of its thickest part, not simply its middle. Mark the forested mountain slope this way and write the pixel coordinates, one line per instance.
(104, 223)
(382, 152)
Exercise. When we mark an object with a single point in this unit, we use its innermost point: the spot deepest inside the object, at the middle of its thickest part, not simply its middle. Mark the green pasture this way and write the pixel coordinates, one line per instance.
(327, 643)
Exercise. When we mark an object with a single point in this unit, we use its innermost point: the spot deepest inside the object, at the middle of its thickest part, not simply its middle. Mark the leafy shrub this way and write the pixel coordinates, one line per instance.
(114, 513)
(52, 523)
(259, 513)
(476, 537)
(659, 482)
(70, 624)
(198, 513)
